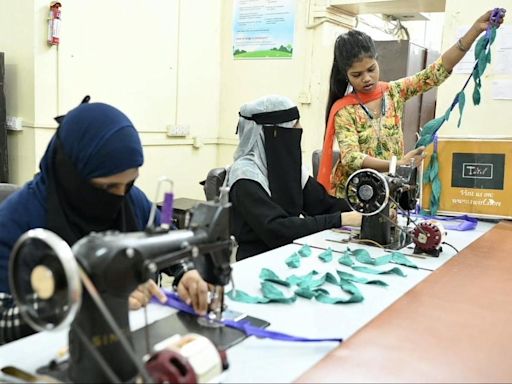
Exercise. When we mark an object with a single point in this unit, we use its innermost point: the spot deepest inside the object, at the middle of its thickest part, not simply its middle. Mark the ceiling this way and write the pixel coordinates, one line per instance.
(388, 7)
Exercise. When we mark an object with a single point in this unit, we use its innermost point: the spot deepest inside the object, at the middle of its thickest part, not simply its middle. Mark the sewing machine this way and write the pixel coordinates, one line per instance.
(87, 286)
(374, 194)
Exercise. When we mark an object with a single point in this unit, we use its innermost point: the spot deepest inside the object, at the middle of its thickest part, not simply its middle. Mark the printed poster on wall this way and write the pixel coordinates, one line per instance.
(263, 29)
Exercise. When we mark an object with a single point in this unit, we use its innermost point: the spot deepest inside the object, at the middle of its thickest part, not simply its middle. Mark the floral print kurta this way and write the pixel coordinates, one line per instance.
(359, 136)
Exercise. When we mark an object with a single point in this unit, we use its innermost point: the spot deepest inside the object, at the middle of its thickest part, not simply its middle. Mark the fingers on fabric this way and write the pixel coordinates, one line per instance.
(154, 290)
(138, 298)
(194, 291)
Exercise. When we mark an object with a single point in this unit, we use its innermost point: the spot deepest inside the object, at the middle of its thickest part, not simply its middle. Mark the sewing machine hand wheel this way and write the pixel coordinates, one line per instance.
(44, 279)
(367, 192)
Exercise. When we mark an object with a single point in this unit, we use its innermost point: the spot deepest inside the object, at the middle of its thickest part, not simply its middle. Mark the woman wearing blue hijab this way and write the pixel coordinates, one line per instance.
(85, 184)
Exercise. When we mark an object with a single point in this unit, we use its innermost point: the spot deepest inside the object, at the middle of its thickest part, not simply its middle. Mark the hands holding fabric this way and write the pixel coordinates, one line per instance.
(415, 156)
(483, 21)
(193, 290)
(141, 296)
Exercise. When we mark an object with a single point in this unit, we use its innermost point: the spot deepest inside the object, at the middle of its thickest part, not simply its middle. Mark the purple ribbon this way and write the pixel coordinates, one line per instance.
(174, 301)
(466, 223)
(167, 207)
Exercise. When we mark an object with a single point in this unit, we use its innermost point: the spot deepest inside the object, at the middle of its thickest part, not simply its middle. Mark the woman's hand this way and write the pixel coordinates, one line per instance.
(193, 290)
(351, 219)
(483, 21)
(413, 157)
(141, 296)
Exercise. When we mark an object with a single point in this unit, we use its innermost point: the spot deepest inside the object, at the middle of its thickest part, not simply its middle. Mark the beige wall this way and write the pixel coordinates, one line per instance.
(491, 117)
(170, 62)
(304, 77)
(158, 62)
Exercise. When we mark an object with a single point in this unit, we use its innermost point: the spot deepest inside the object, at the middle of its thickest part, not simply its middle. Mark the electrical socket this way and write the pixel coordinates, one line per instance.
(178, 130)
(14, 123)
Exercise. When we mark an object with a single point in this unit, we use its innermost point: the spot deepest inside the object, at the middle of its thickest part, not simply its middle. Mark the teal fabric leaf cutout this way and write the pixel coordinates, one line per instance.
(360, 279)
(462, 101)
(274, 295)
(482, 63)
(305, 251)
(327, 299)
(427, 172)
(480, 46)
(429, 130)
(345, 259)
(399, 258)
(330, 278)
(434, 166)
(476, 95)
(268, 275)
(392, 271)
(326, 255)
(435, 197)
(293, 261)
(347, 286)
(242, 297)
(447, 114)
(310, 293)
(489, 56)
(493, 35)
(302, 281)
(364, 257)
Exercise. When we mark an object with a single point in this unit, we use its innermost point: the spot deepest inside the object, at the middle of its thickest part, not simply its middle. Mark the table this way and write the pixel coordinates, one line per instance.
(453, 327)
(256, 360)
(337, 241)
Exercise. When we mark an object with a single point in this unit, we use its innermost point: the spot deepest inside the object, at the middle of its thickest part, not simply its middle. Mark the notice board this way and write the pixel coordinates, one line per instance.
(475, 175)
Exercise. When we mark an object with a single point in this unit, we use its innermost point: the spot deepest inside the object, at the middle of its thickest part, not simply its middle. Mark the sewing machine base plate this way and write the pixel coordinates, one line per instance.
(178, 323)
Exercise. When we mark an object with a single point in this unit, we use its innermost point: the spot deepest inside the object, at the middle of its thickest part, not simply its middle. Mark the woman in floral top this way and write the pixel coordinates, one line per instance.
(368, 121)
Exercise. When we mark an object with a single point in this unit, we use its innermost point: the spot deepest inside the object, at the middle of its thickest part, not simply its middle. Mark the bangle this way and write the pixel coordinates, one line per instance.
(461, 46)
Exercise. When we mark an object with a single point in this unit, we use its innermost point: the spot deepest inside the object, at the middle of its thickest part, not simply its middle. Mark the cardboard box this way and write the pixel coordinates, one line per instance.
(475, 175)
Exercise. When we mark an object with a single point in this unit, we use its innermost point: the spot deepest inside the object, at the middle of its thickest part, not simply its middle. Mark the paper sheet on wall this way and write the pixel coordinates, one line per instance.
(502, 89)
(502, 63)
(468, 61)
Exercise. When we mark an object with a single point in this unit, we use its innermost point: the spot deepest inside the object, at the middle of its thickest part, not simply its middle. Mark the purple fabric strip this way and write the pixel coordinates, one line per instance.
(167, 207)
(174, 301)
(465, 222)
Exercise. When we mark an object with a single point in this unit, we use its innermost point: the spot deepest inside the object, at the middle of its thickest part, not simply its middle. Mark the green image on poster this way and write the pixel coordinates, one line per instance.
(263, 29)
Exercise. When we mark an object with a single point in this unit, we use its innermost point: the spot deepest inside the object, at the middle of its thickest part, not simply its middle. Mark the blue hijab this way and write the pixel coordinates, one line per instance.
(93, 140)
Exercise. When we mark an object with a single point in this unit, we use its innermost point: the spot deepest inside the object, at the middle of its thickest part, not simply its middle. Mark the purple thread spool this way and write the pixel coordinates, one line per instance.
(167, 208)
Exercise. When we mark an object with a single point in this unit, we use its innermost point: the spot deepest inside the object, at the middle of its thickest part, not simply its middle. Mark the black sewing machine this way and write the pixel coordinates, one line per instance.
(374, 194)
(110, 266)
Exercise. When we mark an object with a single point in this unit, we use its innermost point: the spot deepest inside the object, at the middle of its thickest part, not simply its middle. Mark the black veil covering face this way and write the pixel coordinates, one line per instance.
(76, 207)
(93, 140)
(284, 164)
(269, 151)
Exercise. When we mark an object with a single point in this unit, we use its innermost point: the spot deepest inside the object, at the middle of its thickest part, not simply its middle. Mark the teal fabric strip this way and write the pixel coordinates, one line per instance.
(399, 258)
(274, 295)
(305, 251)
(268, 275)
(364, 257)
(347, 286)
(360, 279)
(311, 293)
(392, 271)
(293, 261)
(306, 281)
(326, 256)
(345, 259)
(242, 297)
